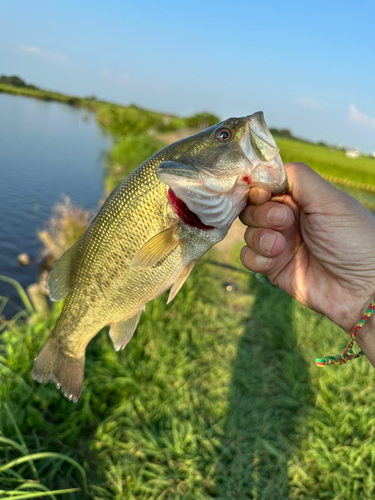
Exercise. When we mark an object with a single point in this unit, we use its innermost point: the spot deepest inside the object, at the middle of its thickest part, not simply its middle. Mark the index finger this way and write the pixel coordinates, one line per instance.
(257, 196)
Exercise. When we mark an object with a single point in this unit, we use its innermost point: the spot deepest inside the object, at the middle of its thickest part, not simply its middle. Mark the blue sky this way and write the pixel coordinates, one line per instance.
(310, 66)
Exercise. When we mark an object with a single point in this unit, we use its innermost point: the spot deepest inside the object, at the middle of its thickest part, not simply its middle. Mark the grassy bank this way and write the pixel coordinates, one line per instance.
(116, 119)
(46, 95)
(165, 419)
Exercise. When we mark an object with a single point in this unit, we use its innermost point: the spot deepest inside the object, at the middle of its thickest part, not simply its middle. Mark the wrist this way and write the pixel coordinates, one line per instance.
(357, 312)
(363, 334)
(365, 339)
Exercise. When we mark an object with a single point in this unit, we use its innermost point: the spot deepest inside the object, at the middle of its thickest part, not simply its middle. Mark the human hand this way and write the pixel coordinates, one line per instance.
(316, 243)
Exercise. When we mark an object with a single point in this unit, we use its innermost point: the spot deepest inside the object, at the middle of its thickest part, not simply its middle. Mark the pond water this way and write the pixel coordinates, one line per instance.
(47, 150)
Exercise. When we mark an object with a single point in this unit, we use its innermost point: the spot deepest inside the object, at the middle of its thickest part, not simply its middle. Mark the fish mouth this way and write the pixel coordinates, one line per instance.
(265, 168)
(205, 198)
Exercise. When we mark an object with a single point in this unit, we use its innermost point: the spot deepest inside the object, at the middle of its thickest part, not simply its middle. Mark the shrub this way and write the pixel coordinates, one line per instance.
(127, 154)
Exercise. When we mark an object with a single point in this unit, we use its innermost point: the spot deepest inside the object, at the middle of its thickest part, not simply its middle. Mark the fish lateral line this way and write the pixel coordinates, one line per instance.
(184, 213)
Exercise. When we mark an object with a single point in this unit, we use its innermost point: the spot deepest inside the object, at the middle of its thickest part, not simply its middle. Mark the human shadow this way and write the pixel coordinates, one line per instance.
(268, 395)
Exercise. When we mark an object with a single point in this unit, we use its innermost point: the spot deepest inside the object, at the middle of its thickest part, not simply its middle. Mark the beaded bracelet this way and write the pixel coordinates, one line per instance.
(348, 354)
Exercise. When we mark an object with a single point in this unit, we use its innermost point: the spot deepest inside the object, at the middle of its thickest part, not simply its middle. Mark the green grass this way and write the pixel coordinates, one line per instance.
(331, 163)
(121, 121)
(126, 154)
(216, 396)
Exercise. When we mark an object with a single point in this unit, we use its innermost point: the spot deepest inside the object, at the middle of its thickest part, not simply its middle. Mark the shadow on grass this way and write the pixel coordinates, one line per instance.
(268, 395)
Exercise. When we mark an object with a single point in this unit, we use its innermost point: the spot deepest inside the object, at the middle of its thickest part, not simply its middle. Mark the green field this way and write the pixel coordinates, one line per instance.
(331, 163)
(216, 396)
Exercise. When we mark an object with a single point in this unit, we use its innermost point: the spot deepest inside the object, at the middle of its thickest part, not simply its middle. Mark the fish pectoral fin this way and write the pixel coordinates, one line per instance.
(58, 281)
(122, 331)
(155, 249)
(181, 280)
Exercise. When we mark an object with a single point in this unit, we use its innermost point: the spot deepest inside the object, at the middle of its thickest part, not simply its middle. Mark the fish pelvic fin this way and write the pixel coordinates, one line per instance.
(122, 331)
(53, 365)
(181, 280)
(156, 248)
(58, 281)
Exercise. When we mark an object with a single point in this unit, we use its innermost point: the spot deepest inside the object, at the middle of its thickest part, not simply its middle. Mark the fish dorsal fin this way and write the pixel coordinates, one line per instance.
(181, 280)
(155, 249)
(58, 281)
(122, 331)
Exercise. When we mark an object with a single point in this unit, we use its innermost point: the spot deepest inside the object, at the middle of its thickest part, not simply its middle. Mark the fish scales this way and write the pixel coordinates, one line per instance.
(147, 236)
(106, 284)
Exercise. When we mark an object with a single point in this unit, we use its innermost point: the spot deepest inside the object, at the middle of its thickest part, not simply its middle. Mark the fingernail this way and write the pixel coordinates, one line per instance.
(263, 261)
(277, 216)
(266, 242)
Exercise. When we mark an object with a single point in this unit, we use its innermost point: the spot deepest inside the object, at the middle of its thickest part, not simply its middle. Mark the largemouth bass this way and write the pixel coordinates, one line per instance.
(147, 236)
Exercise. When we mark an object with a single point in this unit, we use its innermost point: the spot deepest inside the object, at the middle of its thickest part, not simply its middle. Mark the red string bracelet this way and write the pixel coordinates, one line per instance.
(348, 354)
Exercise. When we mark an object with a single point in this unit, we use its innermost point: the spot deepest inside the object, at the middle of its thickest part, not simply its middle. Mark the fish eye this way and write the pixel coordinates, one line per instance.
(223, 134)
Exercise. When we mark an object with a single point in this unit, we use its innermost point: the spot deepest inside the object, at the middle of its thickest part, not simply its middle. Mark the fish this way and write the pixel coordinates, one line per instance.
(148, 235)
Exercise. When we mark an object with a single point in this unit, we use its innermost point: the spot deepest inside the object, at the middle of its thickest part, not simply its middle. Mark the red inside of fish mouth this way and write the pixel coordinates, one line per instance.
(185, 214)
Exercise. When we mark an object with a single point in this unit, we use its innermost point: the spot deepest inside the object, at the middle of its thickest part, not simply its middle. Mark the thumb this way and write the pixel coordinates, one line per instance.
(308, 188)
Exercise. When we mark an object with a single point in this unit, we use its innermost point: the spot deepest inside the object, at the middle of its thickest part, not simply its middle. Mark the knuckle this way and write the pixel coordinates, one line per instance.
(247, 216)
(255, 240)
(254, 216)
(252, 237)
(248, 236)
(246, 257)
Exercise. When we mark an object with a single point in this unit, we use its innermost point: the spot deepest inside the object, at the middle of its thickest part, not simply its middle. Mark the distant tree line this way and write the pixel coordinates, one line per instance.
(202, 120)
(16, 81)
(283, 132)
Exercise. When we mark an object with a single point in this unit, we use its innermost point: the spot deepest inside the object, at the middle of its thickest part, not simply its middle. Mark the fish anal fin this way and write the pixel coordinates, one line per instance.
(58, 281)
(181, 280)
(122, 331)
(54, 365)
(155, 249)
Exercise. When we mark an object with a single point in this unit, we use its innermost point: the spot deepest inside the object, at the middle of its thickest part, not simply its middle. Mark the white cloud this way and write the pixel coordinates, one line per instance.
(105, 73)
(355, 116)
(32, 50)
(123, 78)
(309, 102)
(50, 56)
(116, 79)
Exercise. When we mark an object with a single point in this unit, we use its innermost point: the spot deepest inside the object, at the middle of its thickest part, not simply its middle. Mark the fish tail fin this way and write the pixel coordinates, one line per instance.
(54, 365)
